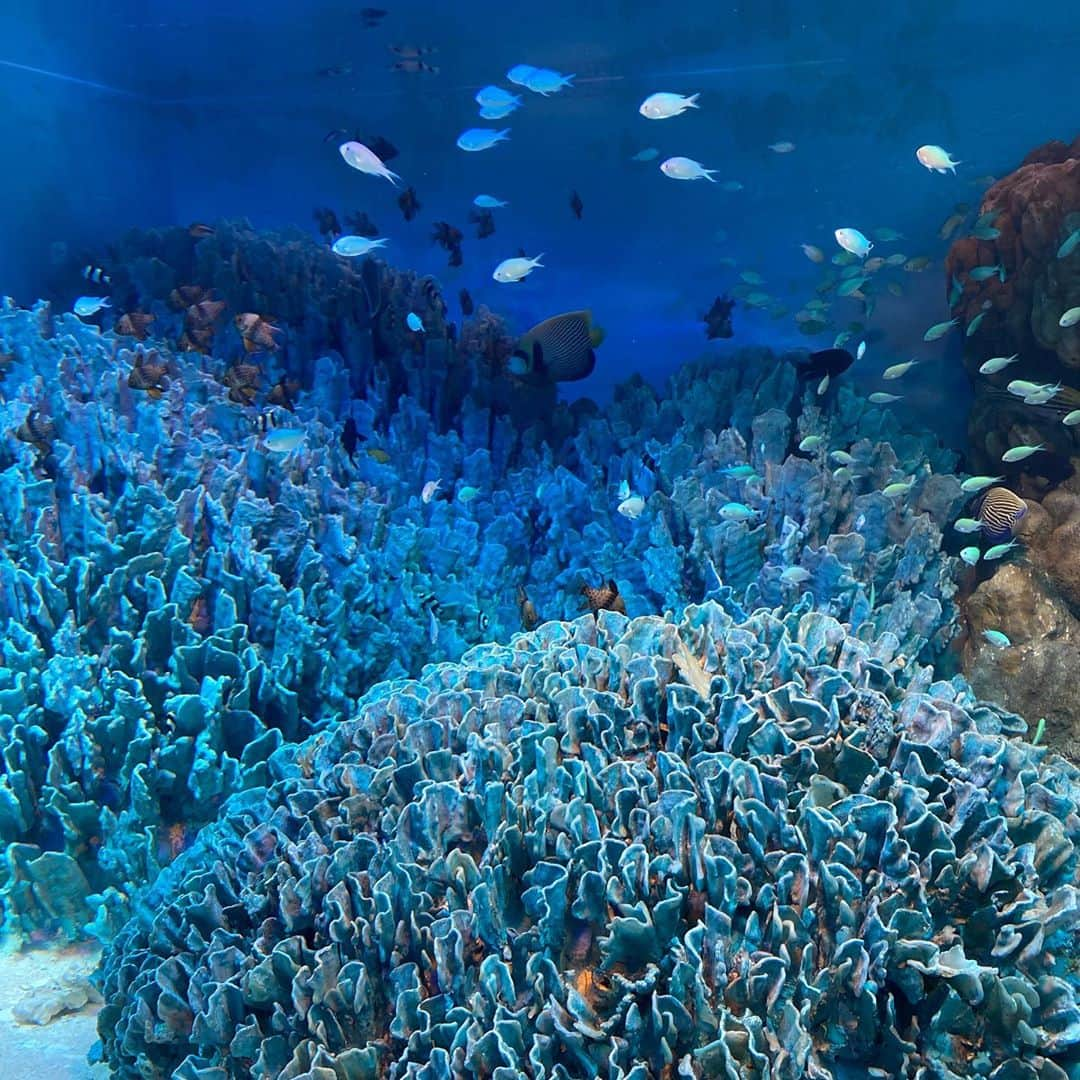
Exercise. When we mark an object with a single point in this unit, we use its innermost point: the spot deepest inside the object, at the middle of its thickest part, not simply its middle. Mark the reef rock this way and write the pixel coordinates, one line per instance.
(727, 847)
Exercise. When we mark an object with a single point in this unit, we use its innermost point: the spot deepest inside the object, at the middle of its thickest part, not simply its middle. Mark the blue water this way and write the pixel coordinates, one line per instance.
(663, 686)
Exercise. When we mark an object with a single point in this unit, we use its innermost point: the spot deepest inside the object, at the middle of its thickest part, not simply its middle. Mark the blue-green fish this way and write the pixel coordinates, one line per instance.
(985, 232)
(736, 511)
(752, 277)
(901, 487)
(811, 443)
(997, 363)
(467, 493)
(997, 639)
(967, 525)
(898, 370)
(956, 291)
(842, 457)
(1072, 419)
(795, 575)
(739, 472)
(939, 330)
(1070, 245)
(984, 273)
(970, 555)
(1021, 453)
(999, 550)
(977, 483)
(879, 397)
(975, 324)
(852, 285)
(988, 218)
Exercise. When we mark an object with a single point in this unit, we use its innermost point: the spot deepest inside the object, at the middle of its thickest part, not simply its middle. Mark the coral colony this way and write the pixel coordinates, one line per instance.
(385, 718)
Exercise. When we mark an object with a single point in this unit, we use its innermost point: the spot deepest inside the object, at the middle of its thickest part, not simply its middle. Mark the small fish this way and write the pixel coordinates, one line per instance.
(999, 513)
(832, 362)
(413, 65)
(896, 259)
(488, 202)
(283, 440)
(985, 232)
(476, 139)
(198, 230)
(879, 397)
(901, 487)
(854, 242)
(1022, 387)
(718, 318)
(684, 168)
(663, 106)
(516, 269)
(976, 483)
(971, 555)
(498, 112)
(650, 153)
(860, 352)
(813, 253)
(559, 349)
(371, 17)
(496, 95)
(917, 265)
(1069, 245)
(967, 525)
(379, 456)
(874, 264)
(752, 277)
(632, 507)
(1070, 318)
(730, 185)
(544, 81)
(429, 491)
(936, 159)
(409, 204)
(529, 618)
(576, 205)
(87, 306)
(852, 286)
(823, 386)
(349, 247)
(887, 235)
(414, 323)
(484, 220)
(1021, 453)
(950, 225)
(466, 302)
(795, 575)
(782, 147)
(358, 156)
(956, 291)
(1042, 395)
(1071, 419)
(895, 288)
(842, 457)
(519, 73)
(359, 224)
(739, 472)
(95, 274)
(939, 330)
(604, 597)
(999, 551)
(896, 371)
(467, 493)
(984, 273)
(997, 639)
(736, 511)
(975, 323)
(811, 443)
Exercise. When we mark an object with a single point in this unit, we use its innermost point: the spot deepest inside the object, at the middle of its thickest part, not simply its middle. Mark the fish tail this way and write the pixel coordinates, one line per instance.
(708, 174)
(504, 134)
(393, 177)
(691, 101)
(537, 262)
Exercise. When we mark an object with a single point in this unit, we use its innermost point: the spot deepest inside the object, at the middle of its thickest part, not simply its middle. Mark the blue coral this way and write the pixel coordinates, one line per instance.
(557, 857)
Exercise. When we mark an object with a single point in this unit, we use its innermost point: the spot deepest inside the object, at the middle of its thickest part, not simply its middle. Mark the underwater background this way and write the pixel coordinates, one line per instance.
(599, 600)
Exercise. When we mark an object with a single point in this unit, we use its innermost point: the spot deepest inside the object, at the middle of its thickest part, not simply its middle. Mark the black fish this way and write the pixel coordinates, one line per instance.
(484, 220)
(465, 300)
(576, 204)
(329, 226)
(718, 318)
(96, 275)
(446, 236)
(455, 257)
(408, 202)
(350, 437)
(829, 362)
(382, 148)
(370, 17)
(360, 224)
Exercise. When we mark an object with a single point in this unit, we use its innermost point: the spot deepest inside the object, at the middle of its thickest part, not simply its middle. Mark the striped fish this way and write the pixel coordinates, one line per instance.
(1000, 512)
(559, 348)
(96, 274)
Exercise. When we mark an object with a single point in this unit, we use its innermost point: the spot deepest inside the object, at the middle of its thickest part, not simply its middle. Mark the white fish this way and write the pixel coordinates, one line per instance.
(481, 138)
(1021, 453)
(496, 112)
(1072, 419)
(881, 398)
(1043, 394)
(795, 575)
(359, 157)
(544, 81)
(86, 306)
(517, 268)
(496, 96)
(488, 202)
(632, 507)
(519, 73)
(283, 440)
(853, 241)
(351, 246)
(823, 386)
(683, 168)
(967, 525)
(663, 106)
(782, 147)
(997, 363)
(936, 159)
(1022, 387)
(898, 370)
(650, 153)
(1070, 318)
(429, 490)
(860, 352)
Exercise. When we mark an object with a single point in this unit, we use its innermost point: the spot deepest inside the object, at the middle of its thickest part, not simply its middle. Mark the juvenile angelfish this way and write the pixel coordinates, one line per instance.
(853, 241)
(663, 106)
(936, 159)
(684, 168)
(516, 269)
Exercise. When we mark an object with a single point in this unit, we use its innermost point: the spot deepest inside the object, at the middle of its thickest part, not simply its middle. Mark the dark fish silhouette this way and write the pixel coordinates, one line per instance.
(718, 318)
(829, 362)
(380, 146)
(359, 224)
(455, 257)
(412, 52)
(408, 202)
(559, 349)
(449, 239)
(465, 300)
(197, 230)
(329, 226)
(370, 17)
(350, 438)
(338, 71)
(529, 618)
(576, 205)
(484, 220)
(412, 66)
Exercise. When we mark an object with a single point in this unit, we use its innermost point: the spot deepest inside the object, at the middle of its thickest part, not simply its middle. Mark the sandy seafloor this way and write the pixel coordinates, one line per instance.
(53, 1051)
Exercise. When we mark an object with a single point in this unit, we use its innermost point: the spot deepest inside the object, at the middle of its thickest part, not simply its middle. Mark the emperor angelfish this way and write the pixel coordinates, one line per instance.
(1000, 512)
(559, 349)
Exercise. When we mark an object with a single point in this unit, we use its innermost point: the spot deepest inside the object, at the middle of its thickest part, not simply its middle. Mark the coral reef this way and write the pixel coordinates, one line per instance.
(728, 847)
(1034, 210)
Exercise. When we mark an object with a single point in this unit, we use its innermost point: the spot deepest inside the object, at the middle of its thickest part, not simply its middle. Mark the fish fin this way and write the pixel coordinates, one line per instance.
(708, 173)
(596, 335)
(537, 357)
(691, 101)
(590, 364)
(612, 586)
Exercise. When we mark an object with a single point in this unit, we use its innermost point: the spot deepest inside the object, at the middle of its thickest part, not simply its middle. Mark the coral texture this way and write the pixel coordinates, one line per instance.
(729, 847)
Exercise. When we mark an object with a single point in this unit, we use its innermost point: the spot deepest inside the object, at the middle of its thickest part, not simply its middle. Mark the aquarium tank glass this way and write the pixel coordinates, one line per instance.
(540, 540)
